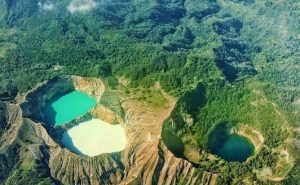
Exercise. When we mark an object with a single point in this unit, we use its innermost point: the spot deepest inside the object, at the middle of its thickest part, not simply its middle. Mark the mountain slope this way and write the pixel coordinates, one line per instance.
(233, 61)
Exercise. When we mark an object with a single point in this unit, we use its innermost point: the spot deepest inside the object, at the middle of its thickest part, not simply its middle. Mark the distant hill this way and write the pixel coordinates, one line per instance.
(232, 62)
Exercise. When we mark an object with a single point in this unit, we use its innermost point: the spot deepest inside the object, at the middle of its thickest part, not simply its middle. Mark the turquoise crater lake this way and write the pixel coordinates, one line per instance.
(67, 107)
(88, 138)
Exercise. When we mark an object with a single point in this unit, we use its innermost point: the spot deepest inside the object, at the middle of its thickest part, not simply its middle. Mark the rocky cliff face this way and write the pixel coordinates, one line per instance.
(36, 99)
(146, 160)
(3, 114)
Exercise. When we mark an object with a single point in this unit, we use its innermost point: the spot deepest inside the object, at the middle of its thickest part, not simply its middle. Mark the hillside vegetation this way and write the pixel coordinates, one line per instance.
(233, 61)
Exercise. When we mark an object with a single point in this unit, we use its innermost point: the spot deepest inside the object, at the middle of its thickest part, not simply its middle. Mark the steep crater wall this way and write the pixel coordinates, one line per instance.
(37, 98)
(104, 165)
(145, 160)
(188, 135)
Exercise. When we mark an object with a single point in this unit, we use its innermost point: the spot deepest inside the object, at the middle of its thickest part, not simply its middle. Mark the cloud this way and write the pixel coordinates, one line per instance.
(81, 6)
(48, 6)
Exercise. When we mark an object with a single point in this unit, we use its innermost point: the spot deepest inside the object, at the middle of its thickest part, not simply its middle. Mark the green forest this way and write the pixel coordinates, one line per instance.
(234, 61)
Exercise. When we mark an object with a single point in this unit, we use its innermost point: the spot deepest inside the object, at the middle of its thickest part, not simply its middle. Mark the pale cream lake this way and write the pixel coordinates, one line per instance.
(95, 137)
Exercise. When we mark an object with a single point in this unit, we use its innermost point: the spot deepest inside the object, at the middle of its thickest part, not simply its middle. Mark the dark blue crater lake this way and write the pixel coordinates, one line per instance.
(235, 148)
(230, 147)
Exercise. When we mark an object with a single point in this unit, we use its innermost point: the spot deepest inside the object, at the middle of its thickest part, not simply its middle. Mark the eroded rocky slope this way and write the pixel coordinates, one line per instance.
(146, 160)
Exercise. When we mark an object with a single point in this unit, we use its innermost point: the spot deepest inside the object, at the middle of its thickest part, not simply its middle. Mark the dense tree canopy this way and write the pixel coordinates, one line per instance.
(219, 58)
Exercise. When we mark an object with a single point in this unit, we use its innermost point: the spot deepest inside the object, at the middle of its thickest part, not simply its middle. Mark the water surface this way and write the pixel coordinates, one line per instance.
(64, 108)
(231, 147)
(95, 137)
(235, 148)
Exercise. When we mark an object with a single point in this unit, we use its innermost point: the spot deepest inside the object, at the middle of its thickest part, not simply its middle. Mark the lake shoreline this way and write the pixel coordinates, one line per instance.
(95, 137)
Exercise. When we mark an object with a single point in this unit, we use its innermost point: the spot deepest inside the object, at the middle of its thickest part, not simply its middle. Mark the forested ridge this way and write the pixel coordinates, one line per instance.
(234, 61)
